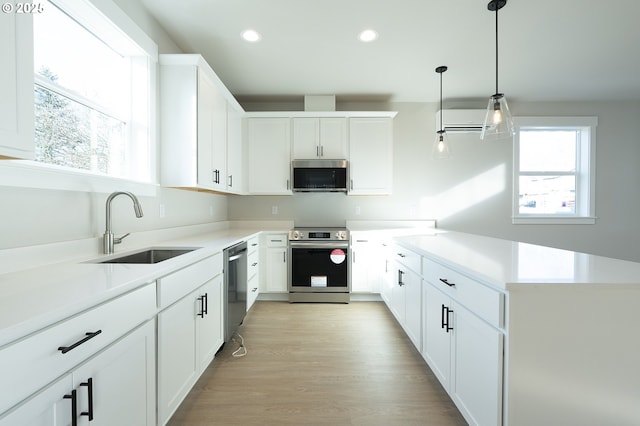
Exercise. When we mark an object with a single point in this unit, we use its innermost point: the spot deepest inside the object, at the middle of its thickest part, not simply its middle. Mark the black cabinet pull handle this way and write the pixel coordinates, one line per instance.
(254, 263)
(65, 349)
(201, 313)
(89, 385)
(445, 318)
(206, 303)
(253, 290)
(400, 274)
(442, 314)
(444, 280)
(74, 407)
(402, 255)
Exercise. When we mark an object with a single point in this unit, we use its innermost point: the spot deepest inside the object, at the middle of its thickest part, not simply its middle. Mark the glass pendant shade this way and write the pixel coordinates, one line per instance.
(498, 123)
(441, 148)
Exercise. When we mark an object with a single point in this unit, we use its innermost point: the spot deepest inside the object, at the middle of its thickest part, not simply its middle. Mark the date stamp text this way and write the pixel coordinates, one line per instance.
(9, 7)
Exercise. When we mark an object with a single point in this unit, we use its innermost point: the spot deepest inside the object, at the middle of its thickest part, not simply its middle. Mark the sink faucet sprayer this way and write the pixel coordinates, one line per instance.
(109, 239)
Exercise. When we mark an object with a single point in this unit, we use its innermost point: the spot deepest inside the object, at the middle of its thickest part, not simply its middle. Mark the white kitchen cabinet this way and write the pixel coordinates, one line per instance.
(406, 303)
(16, 86)
(276, 263)
(114, 387)
(365, 263)
(194, 118)
(269, 146)
(387, 266)
(189, 334)
(370, 155)
(253, 270)
(319, 138)
(236, 180)
(462, 349)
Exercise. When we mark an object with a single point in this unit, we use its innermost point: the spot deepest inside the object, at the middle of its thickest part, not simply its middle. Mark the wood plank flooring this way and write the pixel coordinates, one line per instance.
(319, 364)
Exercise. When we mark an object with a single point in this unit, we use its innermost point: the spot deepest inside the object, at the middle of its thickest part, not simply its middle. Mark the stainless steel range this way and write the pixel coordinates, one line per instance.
(319, 265)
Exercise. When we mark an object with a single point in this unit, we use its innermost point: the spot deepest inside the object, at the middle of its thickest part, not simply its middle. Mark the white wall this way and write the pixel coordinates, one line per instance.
(471, 192)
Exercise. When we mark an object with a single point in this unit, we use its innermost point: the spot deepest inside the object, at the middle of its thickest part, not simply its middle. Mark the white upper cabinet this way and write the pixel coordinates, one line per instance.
(269, 148)
(319, 138)
(16, 86)
(370, 155)
(194, 126)
(236, 172)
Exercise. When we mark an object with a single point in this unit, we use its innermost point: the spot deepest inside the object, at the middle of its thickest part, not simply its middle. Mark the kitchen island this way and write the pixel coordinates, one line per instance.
(564, 324)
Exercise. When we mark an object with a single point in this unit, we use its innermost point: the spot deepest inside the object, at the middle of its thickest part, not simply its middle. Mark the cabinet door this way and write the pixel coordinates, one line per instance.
(370, 155)
(210, 333)
(219, 141)
(16, 86)
(177, 364)
(398, 293)
(235, 152)
(413, 307)
(269, 156)
(387, 273)
(476, 385)
(46, 408)
(333, 138)
(306, 138)
(276, 270)
(437, 341)
(365, 262)
(207, 175)
(122, 382)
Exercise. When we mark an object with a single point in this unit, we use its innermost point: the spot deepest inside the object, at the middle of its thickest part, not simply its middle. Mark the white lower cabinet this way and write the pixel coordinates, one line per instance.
(276, 264)
(365, 261)
(466, 354)
(189, 334)
(253, 270)
(114, 387)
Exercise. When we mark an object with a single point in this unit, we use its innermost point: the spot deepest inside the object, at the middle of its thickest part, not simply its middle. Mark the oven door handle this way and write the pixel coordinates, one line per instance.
(316, 244)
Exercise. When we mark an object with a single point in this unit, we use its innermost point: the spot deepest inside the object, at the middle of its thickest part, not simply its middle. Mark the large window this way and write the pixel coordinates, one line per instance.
(92, 93)
(554, 170)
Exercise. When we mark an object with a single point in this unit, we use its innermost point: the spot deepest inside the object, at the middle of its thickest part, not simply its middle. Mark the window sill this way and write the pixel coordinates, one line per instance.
(29, 174)
(553, 220)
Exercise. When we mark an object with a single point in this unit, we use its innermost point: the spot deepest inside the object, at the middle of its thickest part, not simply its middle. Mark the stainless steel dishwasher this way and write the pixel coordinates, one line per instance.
(235, 288)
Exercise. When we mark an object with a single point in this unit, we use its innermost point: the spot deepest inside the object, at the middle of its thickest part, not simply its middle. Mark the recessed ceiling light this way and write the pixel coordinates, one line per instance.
(367, 36)
(251, 35)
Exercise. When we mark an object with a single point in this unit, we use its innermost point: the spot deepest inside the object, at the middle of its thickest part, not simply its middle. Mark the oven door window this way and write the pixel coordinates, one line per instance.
(319, 267)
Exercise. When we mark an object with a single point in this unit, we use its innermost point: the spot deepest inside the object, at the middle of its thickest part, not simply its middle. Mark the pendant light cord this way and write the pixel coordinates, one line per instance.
(497, 8)
(440, 101)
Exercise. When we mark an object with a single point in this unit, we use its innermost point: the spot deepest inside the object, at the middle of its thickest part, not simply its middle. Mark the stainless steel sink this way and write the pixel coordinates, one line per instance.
(149, 256)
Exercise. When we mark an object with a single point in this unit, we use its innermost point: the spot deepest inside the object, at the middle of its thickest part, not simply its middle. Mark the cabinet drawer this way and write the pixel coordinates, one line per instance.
(407, 258)
(177, 285)
(35, 361)
(253, 244)
(253, 264)
(478, 298)
(277, 240)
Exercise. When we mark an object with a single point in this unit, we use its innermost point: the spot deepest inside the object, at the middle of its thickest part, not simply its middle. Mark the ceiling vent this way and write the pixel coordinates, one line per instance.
(461, 120)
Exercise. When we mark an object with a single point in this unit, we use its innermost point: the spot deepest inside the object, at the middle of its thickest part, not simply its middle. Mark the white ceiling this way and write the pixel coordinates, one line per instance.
(549, 49)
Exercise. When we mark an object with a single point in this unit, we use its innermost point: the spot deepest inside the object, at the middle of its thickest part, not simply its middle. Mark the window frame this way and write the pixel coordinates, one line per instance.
(584, 174)
(120, 32)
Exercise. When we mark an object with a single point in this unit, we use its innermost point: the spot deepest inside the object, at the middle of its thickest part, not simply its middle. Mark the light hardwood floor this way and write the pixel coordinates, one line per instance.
(319, 364)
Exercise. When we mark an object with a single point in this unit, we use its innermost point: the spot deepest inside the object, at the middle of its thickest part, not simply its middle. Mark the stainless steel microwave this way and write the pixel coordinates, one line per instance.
(319, 175)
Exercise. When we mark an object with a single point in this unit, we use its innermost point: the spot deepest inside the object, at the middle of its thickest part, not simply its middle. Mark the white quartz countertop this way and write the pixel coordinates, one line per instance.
(508, 265)
(35, 298)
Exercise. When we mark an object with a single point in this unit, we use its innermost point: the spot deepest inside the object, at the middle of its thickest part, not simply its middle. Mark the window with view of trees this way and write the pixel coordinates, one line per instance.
(553, 167)
(91, 96)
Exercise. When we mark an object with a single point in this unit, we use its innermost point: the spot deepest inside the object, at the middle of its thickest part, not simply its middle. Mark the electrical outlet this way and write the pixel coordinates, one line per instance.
(274, 209)
(162, 211)
(358, 211)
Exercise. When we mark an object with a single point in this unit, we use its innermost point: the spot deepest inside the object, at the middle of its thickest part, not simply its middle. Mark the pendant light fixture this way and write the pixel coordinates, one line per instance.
(440, 148)
(498, 123)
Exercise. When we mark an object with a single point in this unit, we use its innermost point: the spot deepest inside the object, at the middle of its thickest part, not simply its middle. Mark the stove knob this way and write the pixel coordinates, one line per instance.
(296, 235)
